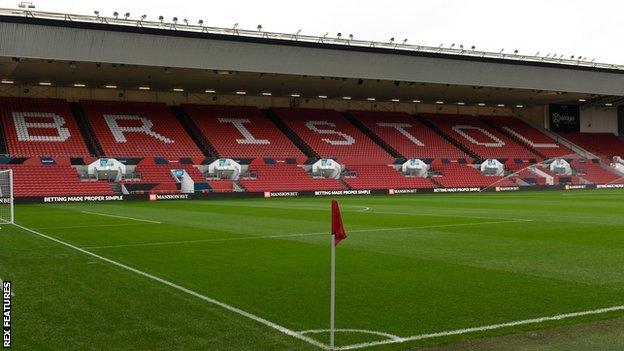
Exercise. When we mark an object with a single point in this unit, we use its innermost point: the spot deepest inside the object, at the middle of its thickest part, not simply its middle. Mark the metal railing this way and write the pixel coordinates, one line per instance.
(337, 41)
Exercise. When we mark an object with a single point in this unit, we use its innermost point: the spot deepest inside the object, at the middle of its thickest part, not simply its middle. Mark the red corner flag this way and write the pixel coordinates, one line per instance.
(337, 228)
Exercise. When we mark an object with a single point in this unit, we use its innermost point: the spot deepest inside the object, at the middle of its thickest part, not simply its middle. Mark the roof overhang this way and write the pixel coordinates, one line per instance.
(59, 40)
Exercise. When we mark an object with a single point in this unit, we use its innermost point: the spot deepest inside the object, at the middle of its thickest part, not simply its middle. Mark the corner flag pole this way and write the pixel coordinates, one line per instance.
(338, 234)
(332, 302)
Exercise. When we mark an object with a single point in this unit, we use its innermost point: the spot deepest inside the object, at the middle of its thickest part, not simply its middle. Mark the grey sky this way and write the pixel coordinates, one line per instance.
(588, 28)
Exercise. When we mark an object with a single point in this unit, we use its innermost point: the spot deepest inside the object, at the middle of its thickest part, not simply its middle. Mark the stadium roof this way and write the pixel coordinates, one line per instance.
(94, 50)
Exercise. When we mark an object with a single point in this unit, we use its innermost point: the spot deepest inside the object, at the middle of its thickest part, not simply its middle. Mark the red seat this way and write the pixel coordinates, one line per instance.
(53, 180)
(481, 138)
(137, 129)
(594, 172)
(332, 136)
(41, 127)
(603, 145)
(455, 175)
(384, 177)
(286, 177)
(530, 137)
(408, 136)
(241, 132)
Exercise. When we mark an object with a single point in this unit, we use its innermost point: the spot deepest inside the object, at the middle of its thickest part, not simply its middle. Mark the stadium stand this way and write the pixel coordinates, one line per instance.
(365, 141)
(157, 173)
(594, 172)
(382, 177)
(137, 129)
(281, 176)
(478, 136)
(221, 186)
(540, 143)
(240, 131)
(53, 180)
(603, 145)
(331, 135)
(456, 175)
(408, 136)
(40, 127)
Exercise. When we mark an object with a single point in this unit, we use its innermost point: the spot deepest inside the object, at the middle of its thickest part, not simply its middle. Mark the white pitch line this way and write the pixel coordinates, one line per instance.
(451, 215)
(360, 331)
(158, 243)
(1, 283)
(123, 217)
(347, 208)
(364, 209)
(225, 306)
(483, 328)
(93, 226)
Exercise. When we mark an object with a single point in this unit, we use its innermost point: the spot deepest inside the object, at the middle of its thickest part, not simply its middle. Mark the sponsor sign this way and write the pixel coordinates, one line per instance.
(154, 197)
(341, 192)
(575, 187)
(507, 188)
(281, 193)
(83, 198)
(402, 191)
(455, 190)
(564, 118)
(609, 186)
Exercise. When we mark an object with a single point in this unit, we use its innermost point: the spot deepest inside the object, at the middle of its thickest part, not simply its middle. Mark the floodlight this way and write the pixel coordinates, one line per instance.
(200, 22)
(185, 21)
(96, 13)
(161, 18)
(339, 35)
(175, 20)
(116, 14)
(127, 15)
(143, 17)
(259, 27)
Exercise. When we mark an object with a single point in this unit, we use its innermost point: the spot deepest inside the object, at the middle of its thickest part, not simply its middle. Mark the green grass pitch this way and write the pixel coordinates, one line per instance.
(413, 265)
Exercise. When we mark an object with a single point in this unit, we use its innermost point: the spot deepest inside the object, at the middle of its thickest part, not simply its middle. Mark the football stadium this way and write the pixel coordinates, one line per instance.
(168, 185)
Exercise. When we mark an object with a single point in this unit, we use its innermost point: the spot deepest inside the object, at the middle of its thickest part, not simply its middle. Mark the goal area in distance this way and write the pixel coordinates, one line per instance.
(6, 197)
